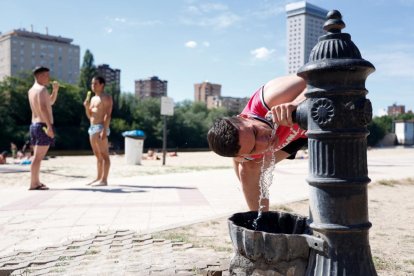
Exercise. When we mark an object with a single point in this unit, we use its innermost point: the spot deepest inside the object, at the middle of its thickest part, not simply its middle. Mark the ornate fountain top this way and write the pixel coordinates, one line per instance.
(334, 44)
(334, 24)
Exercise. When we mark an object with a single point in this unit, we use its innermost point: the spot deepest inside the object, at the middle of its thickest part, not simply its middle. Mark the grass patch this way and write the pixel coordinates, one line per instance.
(393, 182)
(57, 270)
(92, 252)
(388, 182)
(62, 264)
(209, 234)
(282, 208)
(175, 236)
(387, 265)
(411, 262)
(62, 258)
(381, 264)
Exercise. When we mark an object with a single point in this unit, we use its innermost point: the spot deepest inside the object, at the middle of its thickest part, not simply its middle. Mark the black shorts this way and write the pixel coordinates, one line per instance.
(294, 146)
(38, 136)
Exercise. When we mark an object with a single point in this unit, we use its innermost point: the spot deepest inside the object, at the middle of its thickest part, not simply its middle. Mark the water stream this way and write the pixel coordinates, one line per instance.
(266, 176)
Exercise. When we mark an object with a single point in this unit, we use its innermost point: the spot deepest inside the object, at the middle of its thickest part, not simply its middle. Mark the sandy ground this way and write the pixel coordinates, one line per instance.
(391, 208)
(61, 169)
(391, 204)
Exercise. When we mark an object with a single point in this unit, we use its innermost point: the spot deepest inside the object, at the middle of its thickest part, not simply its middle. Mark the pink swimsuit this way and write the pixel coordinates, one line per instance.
(256, 107)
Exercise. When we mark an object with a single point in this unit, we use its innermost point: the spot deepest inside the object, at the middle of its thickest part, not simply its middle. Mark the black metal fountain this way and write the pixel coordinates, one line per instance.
(334, 239)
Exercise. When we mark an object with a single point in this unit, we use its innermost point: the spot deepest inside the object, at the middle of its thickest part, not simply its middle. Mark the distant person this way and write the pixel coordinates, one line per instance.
(27, 147)
(99, 109)
(3, 157)
(248, 136)
(173, 154)
(13, 149)
(19, 154)
(42, 134)
(151, 155)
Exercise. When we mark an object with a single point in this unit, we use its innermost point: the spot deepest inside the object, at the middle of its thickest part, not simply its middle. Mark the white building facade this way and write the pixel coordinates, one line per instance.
(304, 27)
(21, 51)
(404, 130)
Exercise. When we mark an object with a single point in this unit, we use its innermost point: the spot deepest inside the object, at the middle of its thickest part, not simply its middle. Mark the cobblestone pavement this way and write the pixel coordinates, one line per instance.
(120, 252)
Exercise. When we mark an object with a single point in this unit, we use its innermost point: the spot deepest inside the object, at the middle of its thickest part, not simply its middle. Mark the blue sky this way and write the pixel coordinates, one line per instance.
(240, 44)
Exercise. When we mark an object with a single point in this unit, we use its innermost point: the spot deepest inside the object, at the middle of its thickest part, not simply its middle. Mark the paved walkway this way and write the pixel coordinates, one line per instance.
(135, 206)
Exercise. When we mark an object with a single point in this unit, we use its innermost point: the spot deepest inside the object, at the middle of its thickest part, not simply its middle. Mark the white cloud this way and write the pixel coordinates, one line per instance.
(132, 23)
(262, 53)
(218, 22)
(108, 30)
(213, 7)
(211, 15)
(206, 44)
(122, 20)
(267, 10)
(394, 60)
(223, 21)
(191, 44)
(147, 23)
(193, 10)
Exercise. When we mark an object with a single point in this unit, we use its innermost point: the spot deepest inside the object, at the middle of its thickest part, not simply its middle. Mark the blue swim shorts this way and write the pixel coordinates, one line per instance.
(38, 136)
(93, 129)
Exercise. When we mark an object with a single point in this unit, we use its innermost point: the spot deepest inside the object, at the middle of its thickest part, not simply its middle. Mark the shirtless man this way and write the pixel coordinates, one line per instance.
(99, 110)
(248, 136)
(42, 134)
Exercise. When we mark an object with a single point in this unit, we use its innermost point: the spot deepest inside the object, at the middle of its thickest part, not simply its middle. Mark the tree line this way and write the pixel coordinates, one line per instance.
(187, 129)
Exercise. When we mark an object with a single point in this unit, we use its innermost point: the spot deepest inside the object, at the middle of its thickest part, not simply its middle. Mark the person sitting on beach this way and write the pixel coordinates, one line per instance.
(3, 157)
(248, 136)
(151, 155)
(19, 154)
(98, 110)
(173, 154)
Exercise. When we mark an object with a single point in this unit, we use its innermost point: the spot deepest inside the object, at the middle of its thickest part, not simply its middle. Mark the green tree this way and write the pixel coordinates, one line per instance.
(6, 122)
(405, 116)
(87, 72)
(190, 124)
(378, 128)
(69, 115)
(114, 91)
(15, 106)
(146, 116)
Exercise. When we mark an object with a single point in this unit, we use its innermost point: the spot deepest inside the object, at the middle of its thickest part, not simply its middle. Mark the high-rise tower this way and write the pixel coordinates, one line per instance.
(304, 26)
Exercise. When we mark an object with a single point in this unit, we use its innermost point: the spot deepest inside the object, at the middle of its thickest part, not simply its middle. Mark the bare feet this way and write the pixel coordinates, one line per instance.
(102, 183)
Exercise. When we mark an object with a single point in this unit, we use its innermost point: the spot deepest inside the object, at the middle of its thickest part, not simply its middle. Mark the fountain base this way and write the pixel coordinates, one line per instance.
(277, 247)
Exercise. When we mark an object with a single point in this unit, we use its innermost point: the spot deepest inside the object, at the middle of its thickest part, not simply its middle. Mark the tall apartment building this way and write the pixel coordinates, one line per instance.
(112, 76)
(304, 27)
(150, 88)
(205, 89)
(22, 50)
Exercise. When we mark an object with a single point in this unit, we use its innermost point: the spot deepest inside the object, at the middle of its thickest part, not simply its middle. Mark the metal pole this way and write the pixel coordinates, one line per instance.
(164, 139)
